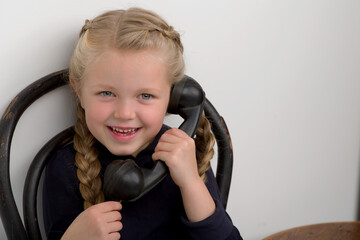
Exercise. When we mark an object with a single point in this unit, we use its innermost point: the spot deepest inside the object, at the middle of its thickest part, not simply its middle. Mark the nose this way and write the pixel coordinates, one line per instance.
(124, 110)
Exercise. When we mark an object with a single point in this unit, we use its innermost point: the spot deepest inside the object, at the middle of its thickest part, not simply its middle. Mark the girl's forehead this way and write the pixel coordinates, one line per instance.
(118, 58)
(136, 65)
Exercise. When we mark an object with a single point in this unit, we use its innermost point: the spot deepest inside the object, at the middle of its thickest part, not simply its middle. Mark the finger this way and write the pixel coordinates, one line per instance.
(171, 143)
(160, 156)
(109, 206)
(176, 132)
(169, 138)
(165, 151)
(113, 216)
(165, 146)
(114, 226)
(114, 236)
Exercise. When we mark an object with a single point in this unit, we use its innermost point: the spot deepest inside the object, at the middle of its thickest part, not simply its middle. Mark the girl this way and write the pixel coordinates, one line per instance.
(122, 71)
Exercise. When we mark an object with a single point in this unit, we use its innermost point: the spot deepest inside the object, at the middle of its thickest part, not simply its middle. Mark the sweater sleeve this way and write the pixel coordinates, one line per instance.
(218, 226)
(61, 199)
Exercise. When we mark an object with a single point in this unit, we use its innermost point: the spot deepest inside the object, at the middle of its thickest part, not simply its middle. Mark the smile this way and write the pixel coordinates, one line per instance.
(124, 132)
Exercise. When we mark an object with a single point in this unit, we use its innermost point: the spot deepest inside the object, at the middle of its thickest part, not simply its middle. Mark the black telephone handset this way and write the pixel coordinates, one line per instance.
(123, 179)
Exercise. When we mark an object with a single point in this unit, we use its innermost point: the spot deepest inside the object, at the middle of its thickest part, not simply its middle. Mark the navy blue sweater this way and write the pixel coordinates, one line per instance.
(159, 214)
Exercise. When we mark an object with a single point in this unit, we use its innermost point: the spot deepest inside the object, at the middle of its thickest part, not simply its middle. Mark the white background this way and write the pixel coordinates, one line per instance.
(284, 74)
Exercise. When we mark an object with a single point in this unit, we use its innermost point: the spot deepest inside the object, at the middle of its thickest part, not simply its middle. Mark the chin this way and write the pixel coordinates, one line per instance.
(121, 152)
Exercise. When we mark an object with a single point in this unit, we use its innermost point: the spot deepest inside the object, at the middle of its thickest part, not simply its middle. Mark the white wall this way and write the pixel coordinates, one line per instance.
(284, 74)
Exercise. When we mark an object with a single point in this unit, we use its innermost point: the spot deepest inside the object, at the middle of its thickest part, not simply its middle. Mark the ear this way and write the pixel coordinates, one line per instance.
(74, 86)
(76, 89)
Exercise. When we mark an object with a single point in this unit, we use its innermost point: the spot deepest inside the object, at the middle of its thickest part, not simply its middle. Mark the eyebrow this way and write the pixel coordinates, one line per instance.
(151, 89)
(101, 85)
(111, 88)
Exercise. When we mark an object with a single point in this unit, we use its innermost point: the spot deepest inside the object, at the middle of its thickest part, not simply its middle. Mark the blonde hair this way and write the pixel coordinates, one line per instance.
(132, 29)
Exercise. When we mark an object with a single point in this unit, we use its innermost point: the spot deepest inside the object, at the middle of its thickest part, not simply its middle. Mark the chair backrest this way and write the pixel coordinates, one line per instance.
(13, 225)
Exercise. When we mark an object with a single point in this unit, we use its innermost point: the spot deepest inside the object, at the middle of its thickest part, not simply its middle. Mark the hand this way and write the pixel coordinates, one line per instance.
(98, 222)
(178, 151)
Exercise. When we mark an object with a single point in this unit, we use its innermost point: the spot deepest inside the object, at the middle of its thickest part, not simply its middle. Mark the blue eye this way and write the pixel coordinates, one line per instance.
(145, 96)
(106, 94)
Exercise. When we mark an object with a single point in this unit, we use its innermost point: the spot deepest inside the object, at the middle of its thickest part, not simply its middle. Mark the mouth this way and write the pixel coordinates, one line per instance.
(124, 131)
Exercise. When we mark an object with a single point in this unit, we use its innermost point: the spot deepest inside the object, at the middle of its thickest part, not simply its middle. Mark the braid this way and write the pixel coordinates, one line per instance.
(88, 25)
(204, 141)
(87, 162)
(171, 34)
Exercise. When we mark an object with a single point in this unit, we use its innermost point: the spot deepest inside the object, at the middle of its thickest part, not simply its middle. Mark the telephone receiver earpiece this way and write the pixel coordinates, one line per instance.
(123, 179)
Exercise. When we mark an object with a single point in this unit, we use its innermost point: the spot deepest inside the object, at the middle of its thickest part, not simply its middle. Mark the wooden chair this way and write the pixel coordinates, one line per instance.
(321, 231)
(13, 225)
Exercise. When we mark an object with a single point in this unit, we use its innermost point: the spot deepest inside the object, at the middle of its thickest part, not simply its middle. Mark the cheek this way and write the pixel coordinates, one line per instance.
(97, 113)
(154, 116)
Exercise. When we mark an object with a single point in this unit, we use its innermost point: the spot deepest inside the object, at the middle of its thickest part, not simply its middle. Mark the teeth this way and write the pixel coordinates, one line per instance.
(124, 131)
